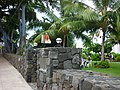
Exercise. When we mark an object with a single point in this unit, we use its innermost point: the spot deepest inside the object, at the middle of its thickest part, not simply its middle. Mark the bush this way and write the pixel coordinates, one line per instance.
(116, 57)
(103, 64)
(95, 57)
(84, 56)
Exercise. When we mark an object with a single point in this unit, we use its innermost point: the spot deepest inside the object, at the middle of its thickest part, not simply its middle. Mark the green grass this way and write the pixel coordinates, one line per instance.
(114, 69)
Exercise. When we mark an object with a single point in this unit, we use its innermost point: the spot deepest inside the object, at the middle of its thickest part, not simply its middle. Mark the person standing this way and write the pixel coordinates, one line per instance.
(111, 56)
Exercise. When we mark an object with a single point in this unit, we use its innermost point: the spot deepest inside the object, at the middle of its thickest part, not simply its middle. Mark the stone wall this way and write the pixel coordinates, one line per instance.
(83, 80)
(61, 58)
(49, 59)
(26, 64)
(19, 62)
(31, 57)
(59, 69)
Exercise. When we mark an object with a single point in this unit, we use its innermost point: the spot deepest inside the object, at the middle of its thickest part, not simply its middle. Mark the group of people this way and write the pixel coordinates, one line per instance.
(86, 63)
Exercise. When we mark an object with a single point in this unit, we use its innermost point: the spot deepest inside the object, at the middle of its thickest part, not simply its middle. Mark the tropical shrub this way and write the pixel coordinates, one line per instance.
(83, 55)
(103, 64)
(95, 57)
(116, 57)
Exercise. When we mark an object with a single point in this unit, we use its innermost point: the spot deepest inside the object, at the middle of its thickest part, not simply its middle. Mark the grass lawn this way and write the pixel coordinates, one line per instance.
(114, 69)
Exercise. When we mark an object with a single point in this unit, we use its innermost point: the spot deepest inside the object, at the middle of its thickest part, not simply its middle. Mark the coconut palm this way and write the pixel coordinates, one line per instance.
(89, 14)
(66, 25)
(78, 17)
(74, 19)
(115, 25)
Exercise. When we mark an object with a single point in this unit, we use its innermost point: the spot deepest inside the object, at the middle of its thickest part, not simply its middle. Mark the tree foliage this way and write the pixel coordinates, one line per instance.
(9, 22)
(76, 18)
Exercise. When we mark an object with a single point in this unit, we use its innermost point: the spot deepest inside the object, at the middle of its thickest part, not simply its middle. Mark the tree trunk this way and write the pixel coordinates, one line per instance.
(64, 40)
(23, 26)
(5, 39)
(20, 29)
(12, 41)
(103, 42)
(6, 42)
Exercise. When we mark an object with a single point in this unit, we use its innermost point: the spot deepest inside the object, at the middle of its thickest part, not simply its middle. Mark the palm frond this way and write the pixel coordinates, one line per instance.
(69, 19)
(63, 20)
(72, 26)
(80, 10)
(115, 38)
(73, 9)
(105, 3)
(118, 23)
(50, 32)
(116, 5)
(97, 4)
(56, 25)
(39, 6)
(39, 24)
(51, 15)
(63, 3)
(84, 38)
(90, 15)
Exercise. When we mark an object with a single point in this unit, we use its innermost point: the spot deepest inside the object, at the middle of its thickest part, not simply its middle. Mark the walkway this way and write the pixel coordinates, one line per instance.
(10, 78)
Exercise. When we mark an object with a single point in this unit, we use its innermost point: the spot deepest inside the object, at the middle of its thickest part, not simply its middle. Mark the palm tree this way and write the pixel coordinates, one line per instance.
(70, 22)
(103, 7)
(78, 17)
(115, 25)
(66, 25)
(89, 14)
(72, 19)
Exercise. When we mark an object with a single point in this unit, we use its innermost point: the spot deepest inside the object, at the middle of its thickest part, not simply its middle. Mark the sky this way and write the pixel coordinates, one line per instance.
(79, 43)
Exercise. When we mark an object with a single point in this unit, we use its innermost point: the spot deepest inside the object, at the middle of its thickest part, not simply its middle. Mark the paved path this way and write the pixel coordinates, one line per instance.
(10, 78)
